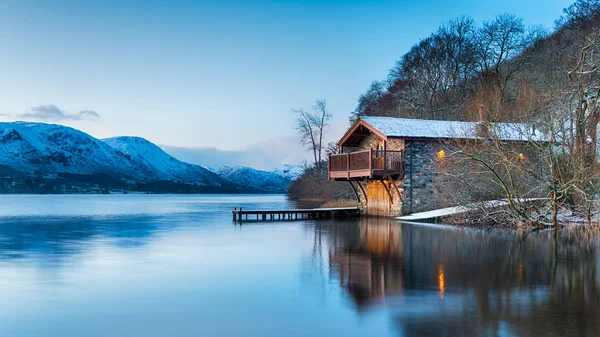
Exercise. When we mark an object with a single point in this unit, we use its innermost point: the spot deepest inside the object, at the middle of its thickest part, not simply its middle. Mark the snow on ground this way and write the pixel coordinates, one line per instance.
(456, 210)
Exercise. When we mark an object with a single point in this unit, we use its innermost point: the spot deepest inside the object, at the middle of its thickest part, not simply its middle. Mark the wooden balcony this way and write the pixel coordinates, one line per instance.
(369, 164)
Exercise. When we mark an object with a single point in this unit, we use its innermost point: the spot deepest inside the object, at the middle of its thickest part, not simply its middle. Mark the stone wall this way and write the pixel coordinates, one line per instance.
(371, 140)
(421, 175)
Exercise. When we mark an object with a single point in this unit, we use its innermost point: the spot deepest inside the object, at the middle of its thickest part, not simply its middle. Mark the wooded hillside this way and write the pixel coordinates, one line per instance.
(502, 64)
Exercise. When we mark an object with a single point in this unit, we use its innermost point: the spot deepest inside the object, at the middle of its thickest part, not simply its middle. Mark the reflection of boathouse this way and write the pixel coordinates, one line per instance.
(384, 257)
(472, 283)
(374, 267)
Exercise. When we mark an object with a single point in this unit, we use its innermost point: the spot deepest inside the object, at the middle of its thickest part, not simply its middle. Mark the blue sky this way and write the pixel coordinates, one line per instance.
(222, 74)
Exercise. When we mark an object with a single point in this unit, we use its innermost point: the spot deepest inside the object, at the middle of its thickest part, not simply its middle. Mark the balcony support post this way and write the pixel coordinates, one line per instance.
(393, 184)
(355, 191)
(363, 191)
(388, 191)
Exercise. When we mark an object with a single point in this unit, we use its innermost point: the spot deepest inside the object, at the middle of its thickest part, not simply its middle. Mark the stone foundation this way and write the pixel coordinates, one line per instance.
(378, 200)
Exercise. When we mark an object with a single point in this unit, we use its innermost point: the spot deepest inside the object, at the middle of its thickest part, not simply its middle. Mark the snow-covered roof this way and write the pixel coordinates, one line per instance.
(421, 128)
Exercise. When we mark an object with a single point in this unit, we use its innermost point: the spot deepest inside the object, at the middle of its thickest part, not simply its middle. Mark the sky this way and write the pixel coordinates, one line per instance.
(213, 76)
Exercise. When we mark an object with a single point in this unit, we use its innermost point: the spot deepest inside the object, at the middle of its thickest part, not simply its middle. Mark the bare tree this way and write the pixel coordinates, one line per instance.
(312, 127)
(431, 80)
(322, 122)
(584, 95)
(306, 130)
(580, 12)
(579, 99)
(370, 103)
(503, 46)
(557, 159)
(332, 148)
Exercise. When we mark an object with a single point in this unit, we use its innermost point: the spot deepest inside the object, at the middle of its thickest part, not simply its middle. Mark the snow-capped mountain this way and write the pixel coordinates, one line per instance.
(250, 179)
(49, 148)
(291, 172)
(54, 151)
(164, 166)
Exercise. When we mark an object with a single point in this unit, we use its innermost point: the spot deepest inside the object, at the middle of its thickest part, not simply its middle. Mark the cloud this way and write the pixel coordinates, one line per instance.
(262, 156)
(51, 112)
(88, 114)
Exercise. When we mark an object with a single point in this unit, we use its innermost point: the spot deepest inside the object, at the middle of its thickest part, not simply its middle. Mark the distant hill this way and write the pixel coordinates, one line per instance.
(291, 172)
(250, 180)
(50, 158)
(51, 149)
(163, 166)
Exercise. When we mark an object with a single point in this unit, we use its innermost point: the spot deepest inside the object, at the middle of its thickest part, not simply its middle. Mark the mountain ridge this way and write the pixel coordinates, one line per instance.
(249, 179)
(52, 148)
(39, 154)
(165, 166)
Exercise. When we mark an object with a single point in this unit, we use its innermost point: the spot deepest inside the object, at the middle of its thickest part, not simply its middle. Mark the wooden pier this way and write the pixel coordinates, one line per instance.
(241, 215)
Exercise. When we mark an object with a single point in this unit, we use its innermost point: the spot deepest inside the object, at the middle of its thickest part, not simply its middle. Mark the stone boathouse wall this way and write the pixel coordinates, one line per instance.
(422, 177)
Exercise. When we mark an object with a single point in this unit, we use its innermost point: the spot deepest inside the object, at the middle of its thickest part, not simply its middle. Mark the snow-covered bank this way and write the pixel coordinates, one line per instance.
(448, 211)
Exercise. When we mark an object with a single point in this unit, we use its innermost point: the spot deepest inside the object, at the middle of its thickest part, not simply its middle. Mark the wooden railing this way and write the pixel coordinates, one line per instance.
(338, 162)
(392, 161)
(359, 161)
(369, 160)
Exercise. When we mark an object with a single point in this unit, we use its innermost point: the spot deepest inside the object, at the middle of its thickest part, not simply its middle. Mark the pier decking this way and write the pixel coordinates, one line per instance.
(241, 215)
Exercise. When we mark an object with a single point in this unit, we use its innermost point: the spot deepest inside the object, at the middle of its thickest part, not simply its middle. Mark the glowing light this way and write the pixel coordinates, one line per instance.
(441, 154)
(520, 273)
(441, 282)
(521, 157)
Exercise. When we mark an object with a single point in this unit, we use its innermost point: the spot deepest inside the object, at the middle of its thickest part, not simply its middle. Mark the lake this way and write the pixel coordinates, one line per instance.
(156, 265)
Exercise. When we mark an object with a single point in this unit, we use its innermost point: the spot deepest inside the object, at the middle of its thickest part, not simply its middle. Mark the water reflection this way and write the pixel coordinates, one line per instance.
(62, 238)
(370, 264)
(454, 282)
(156, 266)
(441, 282)
(60, 227)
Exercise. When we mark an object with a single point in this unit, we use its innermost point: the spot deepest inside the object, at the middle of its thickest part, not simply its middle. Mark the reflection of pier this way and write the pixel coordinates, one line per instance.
(240, 215)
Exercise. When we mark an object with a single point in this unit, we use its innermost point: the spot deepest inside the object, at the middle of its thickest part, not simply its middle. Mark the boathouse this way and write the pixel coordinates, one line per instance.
(392, 163)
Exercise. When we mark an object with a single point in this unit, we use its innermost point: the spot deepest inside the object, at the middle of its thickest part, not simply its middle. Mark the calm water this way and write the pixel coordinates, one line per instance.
(176, 266)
